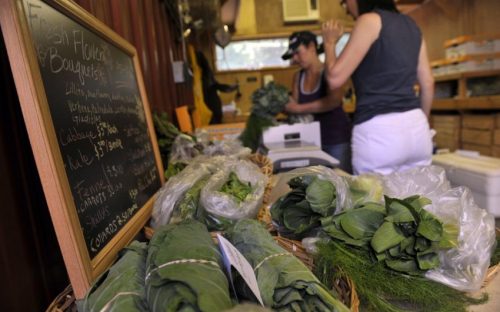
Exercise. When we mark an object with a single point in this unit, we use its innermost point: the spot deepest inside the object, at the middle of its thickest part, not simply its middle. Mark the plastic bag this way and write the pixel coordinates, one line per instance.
(281, 188)
(222, 207)
(185, 148)
(463, 268)
(175, 188)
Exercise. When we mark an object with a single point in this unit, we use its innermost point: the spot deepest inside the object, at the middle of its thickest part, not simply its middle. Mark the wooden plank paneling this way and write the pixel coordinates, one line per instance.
(149, 28)
(441, 20)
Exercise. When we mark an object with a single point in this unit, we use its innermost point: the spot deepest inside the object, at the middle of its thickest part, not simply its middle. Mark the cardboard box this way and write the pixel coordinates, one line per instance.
(478, 121)
(481, 175)
(224, 131)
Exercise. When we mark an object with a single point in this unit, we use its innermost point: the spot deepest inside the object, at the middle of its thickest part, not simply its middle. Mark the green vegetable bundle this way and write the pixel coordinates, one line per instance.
(300, 211)
(267, 102)
(184, 270)
(284, 281)
(121, 288)
(402, 233)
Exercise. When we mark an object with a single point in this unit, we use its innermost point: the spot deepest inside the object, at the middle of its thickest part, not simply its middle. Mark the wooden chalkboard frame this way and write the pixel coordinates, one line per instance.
(82, 270)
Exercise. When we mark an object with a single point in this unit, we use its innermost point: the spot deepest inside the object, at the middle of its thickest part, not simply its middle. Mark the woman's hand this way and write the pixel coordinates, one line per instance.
(293, 107)
(332, 31)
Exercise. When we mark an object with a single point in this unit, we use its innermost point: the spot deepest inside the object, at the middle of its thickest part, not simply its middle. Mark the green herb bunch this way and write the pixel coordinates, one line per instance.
(381, 289)
(166, 133)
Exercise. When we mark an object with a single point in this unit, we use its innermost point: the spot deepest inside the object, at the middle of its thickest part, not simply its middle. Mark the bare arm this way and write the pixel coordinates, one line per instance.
(332, 100)
(425, 80)
(365, 32)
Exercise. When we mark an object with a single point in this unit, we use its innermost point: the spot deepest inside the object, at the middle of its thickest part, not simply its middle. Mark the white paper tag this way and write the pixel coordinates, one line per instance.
(232, 257)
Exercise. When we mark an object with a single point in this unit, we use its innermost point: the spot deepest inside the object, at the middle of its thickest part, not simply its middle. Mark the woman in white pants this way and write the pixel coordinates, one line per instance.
(386, 56)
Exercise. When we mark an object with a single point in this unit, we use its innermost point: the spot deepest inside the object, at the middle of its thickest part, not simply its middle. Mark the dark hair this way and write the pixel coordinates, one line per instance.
(365, 6)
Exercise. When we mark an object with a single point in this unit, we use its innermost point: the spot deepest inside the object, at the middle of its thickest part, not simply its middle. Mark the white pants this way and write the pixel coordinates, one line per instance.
(392, 142)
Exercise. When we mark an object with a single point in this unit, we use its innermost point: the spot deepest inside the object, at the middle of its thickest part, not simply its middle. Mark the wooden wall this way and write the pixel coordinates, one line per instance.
(31, 266)
(146, 24)
(445, 19)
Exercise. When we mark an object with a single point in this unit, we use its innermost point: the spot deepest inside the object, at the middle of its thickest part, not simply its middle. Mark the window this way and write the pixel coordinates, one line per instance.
(254, 54)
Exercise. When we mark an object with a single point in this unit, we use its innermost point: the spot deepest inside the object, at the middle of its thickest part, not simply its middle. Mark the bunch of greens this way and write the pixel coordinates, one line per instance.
(189, 206)
(236, 188)
(184, 270)
(284, 281)
(166, 133)
(267, 102)
(402, 233)
(121, 288)
(381, 289)
(301, 210)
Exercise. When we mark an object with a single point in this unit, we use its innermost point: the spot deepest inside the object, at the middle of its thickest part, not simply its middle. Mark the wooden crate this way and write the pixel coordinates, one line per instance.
(446, 140)
(445, 121)
(498, 121)
(496, 137)
(483, 149)
(496, 151)
(486, 122)
(475, 136)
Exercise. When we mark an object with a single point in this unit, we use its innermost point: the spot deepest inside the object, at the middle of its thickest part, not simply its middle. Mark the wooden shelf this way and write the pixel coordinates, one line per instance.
(462, 101)
(480, 102)
(444, 104)
(477, 74)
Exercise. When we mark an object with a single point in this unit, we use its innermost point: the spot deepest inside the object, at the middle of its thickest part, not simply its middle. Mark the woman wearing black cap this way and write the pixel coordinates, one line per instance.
(386, 56)
(311, 95)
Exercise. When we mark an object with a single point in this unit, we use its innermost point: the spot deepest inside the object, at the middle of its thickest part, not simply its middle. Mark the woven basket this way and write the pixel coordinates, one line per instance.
(266, 167)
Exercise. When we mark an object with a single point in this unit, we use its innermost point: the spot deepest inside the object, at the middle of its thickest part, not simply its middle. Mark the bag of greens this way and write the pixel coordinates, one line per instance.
(464, 267)
(235, 192)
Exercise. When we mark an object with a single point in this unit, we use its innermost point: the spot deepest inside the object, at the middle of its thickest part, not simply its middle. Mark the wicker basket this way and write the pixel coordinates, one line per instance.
(266, 167)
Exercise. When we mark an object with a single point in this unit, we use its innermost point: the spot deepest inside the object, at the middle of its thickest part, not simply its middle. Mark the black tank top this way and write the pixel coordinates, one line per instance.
(335, 125)
(384, 81)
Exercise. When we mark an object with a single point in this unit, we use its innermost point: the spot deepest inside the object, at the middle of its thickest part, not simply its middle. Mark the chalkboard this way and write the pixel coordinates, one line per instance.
(96, 126)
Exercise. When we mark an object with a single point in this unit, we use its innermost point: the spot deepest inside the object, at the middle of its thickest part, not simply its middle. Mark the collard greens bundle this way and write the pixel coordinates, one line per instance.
(121, 288)
(285, 283)
(184, 270)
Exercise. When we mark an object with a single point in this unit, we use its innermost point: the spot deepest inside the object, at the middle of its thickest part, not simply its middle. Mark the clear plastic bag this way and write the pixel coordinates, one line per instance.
(185, 148)
(281, 188)
(175, 188)
(222, 207)
(463, 268)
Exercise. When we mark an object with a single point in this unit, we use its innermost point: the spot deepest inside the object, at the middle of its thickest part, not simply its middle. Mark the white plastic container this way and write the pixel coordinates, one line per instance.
(480, 174)
(472, 45)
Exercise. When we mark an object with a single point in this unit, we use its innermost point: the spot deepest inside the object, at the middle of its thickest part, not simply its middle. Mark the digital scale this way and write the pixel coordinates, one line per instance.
(295, 146)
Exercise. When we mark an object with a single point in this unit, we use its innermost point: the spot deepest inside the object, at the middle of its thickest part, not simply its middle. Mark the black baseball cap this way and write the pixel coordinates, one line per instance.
(298, 38)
